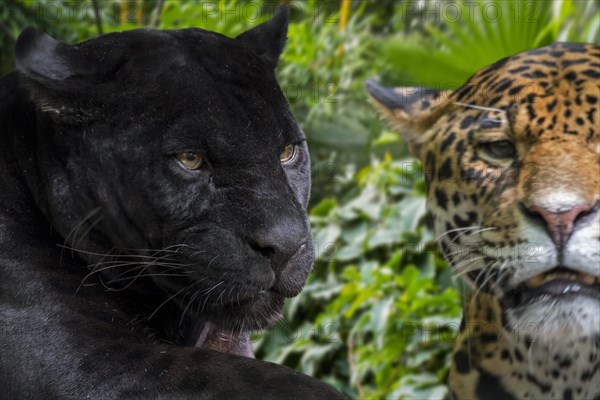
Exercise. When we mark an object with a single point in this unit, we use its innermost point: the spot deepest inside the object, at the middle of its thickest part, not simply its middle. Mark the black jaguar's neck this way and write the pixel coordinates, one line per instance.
(18, 117)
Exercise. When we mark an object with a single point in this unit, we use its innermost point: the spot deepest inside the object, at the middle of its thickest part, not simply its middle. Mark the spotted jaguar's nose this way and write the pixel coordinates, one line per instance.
(560, 225)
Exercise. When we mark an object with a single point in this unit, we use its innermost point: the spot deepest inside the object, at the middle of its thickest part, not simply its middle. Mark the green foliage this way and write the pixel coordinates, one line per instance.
(378, 316)
(471, 35)
(581, 21)
(213, 16)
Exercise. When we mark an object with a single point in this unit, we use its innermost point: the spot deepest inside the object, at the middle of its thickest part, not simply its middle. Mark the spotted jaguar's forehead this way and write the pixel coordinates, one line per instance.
(551, 93)
(546, 71)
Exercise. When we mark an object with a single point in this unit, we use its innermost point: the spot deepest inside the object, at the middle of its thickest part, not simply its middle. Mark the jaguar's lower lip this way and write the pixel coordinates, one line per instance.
(562, 274)
(560, 287)
(556, 283)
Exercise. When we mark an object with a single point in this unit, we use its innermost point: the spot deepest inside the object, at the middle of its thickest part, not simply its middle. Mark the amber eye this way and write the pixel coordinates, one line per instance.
(190, 160)
(500, 149)
(288, 153)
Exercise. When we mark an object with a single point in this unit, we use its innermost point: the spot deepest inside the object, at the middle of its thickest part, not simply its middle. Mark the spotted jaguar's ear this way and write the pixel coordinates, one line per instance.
(268, 40)
(409, 110)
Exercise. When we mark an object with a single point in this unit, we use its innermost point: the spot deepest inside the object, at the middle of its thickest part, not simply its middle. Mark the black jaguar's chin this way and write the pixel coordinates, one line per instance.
(254, 312)
(293, 274)
(236, 288)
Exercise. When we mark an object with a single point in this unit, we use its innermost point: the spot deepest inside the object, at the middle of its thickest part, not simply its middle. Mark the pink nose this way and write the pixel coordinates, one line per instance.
(560, 224)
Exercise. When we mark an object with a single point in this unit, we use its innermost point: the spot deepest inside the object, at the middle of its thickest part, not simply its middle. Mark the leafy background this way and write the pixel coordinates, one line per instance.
(378, 316)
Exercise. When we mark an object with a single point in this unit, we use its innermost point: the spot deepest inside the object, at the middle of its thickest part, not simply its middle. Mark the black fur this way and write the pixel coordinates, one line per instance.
(87, 160)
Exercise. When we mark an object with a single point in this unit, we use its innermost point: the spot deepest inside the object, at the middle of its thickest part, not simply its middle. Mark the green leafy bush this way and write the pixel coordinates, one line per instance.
(378, 316)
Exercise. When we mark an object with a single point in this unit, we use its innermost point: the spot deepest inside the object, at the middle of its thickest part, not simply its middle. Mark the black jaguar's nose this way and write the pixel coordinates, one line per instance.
(280, 241)
(263, 248)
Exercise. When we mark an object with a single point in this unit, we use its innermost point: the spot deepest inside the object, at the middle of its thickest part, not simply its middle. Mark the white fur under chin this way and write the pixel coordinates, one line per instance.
(550, 319)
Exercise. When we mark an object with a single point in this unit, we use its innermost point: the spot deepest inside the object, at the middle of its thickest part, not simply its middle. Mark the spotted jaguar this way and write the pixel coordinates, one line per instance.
(512, 165)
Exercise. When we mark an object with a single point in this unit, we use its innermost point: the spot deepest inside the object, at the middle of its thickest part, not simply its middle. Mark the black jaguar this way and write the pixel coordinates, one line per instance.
(153, 194)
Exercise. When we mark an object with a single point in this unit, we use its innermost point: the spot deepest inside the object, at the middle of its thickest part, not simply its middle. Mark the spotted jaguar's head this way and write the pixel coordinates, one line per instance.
(512, 162)
(171, 160)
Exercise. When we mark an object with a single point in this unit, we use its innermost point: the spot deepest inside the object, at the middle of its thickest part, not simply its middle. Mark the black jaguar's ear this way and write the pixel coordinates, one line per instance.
(45, 60)
(54, 73)
(268, 39)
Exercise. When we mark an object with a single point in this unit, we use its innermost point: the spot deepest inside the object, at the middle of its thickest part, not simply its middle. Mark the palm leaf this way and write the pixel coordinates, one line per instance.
(486, 32)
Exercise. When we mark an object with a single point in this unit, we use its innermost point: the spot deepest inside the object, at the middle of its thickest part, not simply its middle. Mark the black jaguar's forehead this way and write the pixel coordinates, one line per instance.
(242, 139)
(198, 90)
(236, 119)
(150, 51)
(187, 62)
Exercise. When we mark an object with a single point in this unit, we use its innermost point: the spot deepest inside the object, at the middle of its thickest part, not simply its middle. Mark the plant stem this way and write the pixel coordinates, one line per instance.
(97, 17)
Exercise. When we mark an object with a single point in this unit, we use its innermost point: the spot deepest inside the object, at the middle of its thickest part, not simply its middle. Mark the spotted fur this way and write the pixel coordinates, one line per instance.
(512, 165)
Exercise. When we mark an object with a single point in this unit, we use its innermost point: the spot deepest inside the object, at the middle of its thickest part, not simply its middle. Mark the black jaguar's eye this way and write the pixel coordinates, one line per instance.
(288, 153)
(499, 149)
(190, 160)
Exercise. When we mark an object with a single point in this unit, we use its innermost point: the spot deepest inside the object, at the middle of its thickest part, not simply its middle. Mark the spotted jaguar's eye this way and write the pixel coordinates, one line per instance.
(190, 160)
(288, 153)
(499, 149)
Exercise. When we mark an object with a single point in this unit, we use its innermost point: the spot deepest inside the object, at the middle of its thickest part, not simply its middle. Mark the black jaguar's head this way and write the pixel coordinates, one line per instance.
(173, 155)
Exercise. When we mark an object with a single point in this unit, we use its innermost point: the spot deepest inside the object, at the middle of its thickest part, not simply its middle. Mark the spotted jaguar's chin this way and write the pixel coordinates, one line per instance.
(560, 303)
(557, 284)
